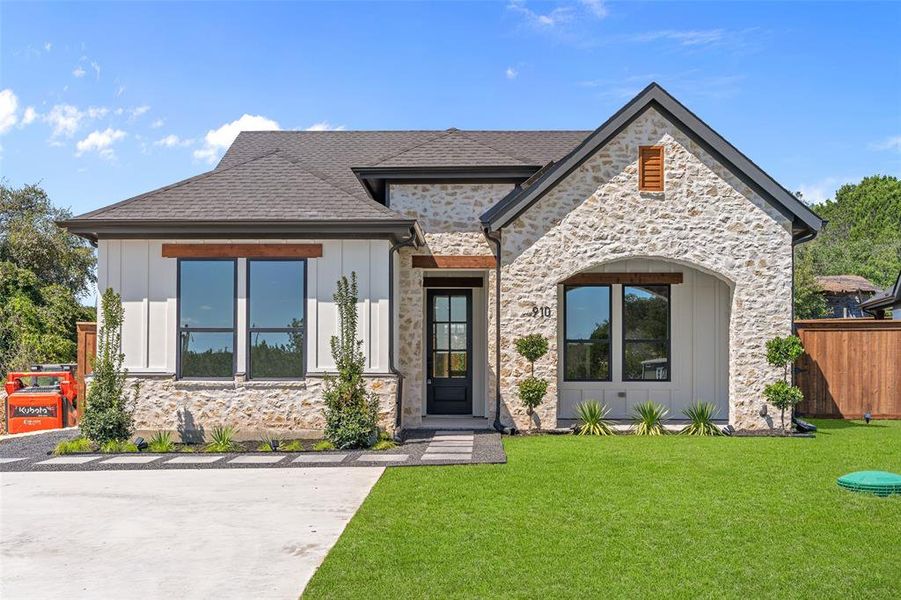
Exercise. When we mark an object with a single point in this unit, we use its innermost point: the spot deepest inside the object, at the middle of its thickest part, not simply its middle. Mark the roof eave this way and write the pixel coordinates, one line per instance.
(95, 230)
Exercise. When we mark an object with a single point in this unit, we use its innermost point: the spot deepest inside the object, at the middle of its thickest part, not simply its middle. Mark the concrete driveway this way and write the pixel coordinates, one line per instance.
(257, 533)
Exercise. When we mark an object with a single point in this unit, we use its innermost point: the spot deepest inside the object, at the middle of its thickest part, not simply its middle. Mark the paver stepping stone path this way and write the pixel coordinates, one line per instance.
(383, 457)
(254, 459)
(130, 460)
(69, 460)
(194, 460)
(450, 445)
(320, 458)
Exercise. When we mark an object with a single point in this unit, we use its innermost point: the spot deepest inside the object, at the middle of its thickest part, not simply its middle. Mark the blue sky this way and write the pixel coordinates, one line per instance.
(104, 101)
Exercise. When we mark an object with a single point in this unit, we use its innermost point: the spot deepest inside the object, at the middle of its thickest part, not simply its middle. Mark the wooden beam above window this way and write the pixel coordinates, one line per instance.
(431, 261)
(623, 278)
(242, 250)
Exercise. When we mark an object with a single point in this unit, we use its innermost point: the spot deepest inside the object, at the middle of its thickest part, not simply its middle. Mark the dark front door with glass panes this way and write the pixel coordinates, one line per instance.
(449, 358)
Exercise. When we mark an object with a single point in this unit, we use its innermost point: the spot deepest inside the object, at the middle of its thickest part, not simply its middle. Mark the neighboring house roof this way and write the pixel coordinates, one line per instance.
(845, 284)
(272, 188)
(886, 299)
(806, 222)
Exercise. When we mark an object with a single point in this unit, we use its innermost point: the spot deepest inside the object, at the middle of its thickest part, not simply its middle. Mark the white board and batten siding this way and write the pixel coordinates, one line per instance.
(147, 283)
(699, 357)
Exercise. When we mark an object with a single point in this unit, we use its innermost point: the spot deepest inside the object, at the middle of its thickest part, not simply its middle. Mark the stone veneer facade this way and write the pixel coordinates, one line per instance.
(706, 219)
(295, 409)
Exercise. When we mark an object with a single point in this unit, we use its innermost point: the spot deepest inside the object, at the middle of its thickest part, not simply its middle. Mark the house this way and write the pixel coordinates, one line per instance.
(655, 257)
(886, 304)
(845, 293)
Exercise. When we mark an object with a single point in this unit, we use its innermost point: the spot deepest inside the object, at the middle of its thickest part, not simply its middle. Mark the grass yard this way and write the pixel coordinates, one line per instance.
(632, 517)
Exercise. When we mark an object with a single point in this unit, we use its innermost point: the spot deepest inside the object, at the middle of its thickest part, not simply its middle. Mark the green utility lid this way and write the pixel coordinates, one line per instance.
(881, 483)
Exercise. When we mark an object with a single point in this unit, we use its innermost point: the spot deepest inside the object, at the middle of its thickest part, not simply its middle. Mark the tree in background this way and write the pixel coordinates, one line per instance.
(863, 236)
(810, 303)
(43, 272)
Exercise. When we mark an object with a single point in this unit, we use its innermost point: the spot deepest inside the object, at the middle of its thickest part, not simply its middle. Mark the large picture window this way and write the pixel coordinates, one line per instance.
(206, 318)
(646, 332)
(586, 344)
(275, 318)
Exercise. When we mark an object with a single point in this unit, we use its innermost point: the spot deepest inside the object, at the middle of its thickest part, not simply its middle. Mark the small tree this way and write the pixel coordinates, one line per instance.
(783, 352)
(351, 412)
(108, 414)
(532, 389)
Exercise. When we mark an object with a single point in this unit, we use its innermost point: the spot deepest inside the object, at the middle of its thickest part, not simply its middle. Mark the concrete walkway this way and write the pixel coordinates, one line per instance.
(222, 533)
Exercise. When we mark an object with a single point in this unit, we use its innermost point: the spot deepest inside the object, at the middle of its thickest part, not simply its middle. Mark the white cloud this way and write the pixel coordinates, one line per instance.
(558, 16)
(29, 116)
(47, 46)
(217, 140)
(324, 126)
(120, 91)
(889, 143)
(157, 124)
(65, 119)
(79, 72)
(824, 189)
(97, 112)
(100, 142)
(684, 38)
(96, 68)
(9, 104)
(595, 7)
(511, 73)
(172, 140)
(138, 111)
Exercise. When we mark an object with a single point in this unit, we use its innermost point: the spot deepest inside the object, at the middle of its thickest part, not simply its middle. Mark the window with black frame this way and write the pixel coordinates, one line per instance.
(646, 332)
(586, 343)
(275, 318)
(206, 318)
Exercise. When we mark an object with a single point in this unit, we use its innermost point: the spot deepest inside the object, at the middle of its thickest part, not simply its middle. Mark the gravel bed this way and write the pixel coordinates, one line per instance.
(35, 445)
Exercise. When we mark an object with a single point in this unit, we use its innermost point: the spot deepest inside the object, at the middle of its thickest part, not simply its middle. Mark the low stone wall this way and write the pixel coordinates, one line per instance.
(191, 409)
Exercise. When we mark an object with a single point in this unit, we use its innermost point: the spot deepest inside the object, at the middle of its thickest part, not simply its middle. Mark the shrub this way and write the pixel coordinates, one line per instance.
(650, 418)
(385, 442)
(701, 415)
(267, 441)
(161, 442)
(783, 352)
(79, 444)
(117, 446)
(351, 412)
(323, 446)
(532, 389)
(107, 413)
(783, 395)
(292, 446)
(532, 347)
(222, 440)
(593, 419)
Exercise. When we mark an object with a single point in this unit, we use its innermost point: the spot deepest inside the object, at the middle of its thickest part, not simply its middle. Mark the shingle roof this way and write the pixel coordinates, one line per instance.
(845, 284)
(332, 154)
(270, 187)
(886, 298)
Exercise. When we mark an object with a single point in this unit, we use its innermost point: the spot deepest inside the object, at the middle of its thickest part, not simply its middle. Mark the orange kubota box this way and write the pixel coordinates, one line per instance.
(43, 398)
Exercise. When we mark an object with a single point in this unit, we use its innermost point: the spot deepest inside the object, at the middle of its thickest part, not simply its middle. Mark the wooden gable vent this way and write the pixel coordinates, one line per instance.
(650, 169)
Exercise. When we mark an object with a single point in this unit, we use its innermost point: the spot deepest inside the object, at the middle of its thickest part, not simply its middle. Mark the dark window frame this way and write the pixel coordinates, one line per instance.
(251, 330)
(179, 329)
(669, 333)
(567, 341)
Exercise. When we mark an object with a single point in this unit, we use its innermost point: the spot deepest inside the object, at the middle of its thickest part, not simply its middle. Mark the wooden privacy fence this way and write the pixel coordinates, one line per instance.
(87, 347)
(851, 367)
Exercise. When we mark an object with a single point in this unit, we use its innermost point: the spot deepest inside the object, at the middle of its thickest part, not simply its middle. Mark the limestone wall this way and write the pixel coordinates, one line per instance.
(706, 218)
(280, 408)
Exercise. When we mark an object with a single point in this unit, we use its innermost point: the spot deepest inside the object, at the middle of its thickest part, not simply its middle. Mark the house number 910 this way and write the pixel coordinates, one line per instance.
(541, 311)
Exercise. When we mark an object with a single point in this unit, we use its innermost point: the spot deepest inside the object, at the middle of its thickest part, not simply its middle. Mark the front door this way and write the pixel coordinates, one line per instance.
(449, 352)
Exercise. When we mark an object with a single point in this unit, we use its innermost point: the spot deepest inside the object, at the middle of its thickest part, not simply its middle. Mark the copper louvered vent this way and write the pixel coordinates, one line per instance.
(650, 169)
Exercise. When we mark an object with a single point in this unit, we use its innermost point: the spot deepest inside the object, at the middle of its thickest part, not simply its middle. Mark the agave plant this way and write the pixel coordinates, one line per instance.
(161, 442)
(649, 418)
(593, 417)
(222, 440)
(701, 415)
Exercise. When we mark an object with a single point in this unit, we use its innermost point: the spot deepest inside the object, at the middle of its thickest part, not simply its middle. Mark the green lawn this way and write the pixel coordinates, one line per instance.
(632, 517)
